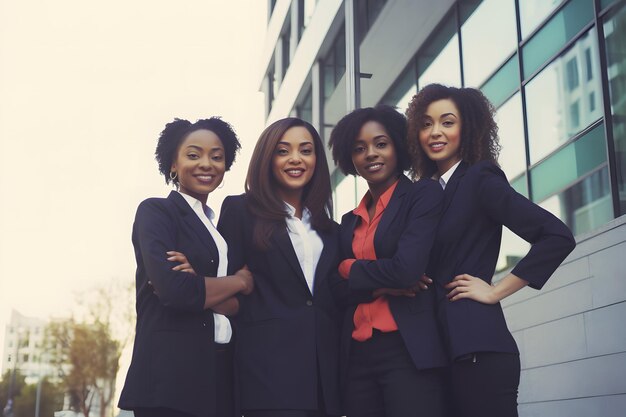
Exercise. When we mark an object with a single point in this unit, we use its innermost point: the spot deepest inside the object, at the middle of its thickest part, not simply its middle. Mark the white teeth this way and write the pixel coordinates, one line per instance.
(374, 167)
(437, 145)
(205, 177)
(294, 171)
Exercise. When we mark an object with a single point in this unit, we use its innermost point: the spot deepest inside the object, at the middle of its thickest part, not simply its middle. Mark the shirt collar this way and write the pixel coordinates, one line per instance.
(291, 211)
(383, 201)
(197, 206)
(448, 174)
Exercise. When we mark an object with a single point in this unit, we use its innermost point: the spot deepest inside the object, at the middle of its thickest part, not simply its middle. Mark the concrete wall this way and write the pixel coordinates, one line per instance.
(572, 334)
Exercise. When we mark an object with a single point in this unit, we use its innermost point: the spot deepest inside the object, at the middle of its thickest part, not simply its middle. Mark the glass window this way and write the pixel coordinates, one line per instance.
(503, 83)
(533, 12)
(403, 90)
(438, 61)
(605, 3)
(586, 205)
(512, 249)
(305, 109)
(345, 194)
(520, 184)
(615, 34)
(477, 34)
(557, 105)
(335, 63)
(306, 8)
(562, 27)
(511, 131)
(568, 164)
(367, 12)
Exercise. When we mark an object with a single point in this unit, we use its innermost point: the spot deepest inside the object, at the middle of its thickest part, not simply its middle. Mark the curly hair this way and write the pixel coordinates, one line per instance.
(263, 201)
(347, 129)
(479, 131)
(177, 131)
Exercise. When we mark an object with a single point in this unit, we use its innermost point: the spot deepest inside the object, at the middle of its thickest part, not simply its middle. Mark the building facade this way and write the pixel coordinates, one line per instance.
(556, 72)
(24, 347)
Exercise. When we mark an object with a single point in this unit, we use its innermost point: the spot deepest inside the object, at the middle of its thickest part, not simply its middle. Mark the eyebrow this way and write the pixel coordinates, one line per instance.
(217, 148)
(300, 144)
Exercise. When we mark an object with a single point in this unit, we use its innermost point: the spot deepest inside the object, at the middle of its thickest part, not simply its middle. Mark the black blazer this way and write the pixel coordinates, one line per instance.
(284, 334)
(478, 202)
(403, 242)
(173, 357)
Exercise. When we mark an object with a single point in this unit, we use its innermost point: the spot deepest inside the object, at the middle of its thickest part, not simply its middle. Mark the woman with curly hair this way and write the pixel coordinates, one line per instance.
(182, 358)
(454, 138)
(392, 352)
(287, 350)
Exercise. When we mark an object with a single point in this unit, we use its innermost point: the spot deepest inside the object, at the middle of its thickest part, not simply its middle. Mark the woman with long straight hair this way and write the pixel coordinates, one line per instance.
(281, 229)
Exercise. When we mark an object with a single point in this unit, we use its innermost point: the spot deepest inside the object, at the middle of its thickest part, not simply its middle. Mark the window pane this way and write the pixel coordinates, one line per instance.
(560, 29)
(572, 162)
(558, 104)
(502, 84)
(615, 34)
(586, 205)
(477, 35)
(512, 249)
(511, 132)
(344, 195)
(438, 61)
(402, 91)
(605, 3)
(520, 185)
(533, 12)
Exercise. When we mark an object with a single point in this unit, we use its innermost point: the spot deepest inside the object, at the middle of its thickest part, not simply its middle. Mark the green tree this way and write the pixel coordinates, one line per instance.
(5, 387)
(86, 351)
(51, 399)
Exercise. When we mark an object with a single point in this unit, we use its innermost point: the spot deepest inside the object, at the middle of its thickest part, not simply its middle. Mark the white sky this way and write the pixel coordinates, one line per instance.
(85, 89)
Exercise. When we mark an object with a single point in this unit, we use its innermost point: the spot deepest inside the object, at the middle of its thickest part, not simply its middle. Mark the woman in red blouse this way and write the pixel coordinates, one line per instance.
(392, 350)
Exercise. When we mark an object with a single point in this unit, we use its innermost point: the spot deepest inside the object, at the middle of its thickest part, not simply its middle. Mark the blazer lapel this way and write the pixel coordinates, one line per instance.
(285, 247)
(392, 208)
(327, 257)
(192, 219)
(452, 185)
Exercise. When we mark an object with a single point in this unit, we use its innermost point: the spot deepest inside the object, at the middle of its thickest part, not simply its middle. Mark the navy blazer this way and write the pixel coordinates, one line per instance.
(402, 242)
(173, 356)
(478, 202)
(284, 333)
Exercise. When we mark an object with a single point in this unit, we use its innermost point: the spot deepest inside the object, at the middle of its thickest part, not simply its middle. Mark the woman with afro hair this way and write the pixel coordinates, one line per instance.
(392, 352)
(452, 137)
(182, 358)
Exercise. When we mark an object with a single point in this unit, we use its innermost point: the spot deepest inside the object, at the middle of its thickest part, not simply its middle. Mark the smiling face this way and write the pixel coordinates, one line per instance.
(440, 134)
(293, 163)
(374, 156)
(199, 164)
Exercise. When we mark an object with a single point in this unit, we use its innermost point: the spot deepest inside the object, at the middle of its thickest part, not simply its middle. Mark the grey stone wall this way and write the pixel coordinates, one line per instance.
(572, 333)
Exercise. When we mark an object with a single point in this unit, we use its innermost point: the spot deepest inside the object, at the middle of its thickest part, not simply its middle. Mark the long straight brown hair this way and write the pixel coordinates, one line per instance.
(263, 201)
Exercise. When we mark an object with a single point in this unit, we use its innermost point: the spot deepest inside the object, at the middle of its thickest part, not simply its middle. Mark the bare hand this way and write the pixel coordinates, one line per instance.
(180, 257)
(474, 288)
(247, 280)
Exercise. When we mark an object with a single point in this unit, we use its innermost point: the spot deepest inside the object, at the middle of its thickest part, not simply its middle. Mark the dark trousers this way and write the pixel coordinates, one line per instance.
(284, 413)
(224, 393)
(383, 381)
(485, 384)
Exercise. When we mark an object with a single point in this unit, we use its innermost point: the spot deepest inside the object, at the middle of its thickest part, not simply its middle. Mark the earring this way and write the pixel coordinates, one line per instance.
(173, 177)
(221, 185)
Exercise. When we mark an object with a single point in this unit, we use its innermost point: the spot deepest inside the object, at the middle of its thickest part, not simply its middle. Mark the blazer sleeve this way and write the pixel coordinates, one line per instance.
(155, 233)
(231, 226)
(551, 240)
(405, 268)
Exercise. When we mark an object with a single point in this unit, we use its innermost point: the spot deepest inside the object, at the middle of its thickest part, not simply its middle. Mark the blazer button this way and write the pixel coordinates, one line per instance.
(309, 302)
(211, 260)
(203, 324)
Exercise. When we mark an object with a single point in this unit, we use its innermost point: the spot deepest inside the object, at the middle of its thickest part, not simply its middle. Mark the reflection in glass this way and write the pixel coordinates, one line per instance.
(503, 83)
(586, 205)
(561, 27)
(533, 12)
(574, 161)
(477, 35)
(558, 104)
(511, 131)
(403, 90)
(615, 34)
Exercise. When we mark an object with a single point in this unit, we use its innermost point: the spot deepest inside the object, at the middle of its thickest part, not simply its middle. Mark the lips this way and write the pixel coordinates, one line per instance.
(374, 167)
(295, 172)
(207, 179)
(437, 146)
